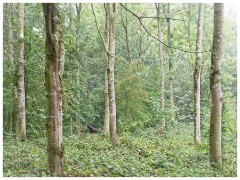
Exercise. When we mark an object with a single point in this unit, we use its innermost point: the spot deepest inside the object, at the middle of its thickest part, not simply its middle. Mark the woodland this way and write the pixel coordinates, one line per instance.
(119, 90)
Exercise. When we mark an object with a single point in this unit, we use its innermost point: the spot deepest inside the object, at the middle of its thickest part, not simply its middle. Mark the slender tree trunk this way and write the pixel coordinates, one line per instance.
(10, 61)
(189, 29)
(110, 72)
(197, 76)
(54, 56)
(125, 26)
(21, 132)
(78, 127)
(140, 41)
(9, 33)
(170, 67)
(78, 9)
(70, 21)
(215, 86)
(161, 64)
(71, 127)
(106, 114)
(78, 103)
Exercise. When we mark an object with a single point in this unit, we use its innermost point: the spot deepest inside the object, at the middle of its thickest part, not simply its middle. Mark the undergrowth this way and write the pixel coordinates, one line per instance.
(144, 154)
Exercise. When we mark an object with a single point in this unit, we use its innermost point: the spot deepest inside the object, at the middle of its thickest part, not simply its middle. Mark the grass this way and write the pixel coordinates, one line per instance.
(142, 154)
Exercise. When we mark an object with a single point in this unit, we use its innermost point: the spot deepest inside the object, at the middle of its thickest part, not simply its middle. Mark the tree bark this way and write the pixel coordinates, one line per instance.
(197, 76)
(78, 9)
(189, 29)
(161, 64)
(110, 72)
(21, 130)
(10, 61)
(9, 32)
(125, 26)
(54, 56)
(170, 66)
(106, 114)
(215, 86)
(78, 103)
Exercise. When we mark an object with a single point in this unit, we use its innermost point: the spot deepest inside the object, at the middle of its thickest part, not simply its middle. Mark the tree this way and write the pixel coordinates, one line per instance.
(106, 95)
(125, 26)
(161, 63)
(110, 72)
(10, 61)
(21, 123)
(78, 9)
(197, 76)
(215, 86)
(105, 43)
(170, 53)
(54, 56)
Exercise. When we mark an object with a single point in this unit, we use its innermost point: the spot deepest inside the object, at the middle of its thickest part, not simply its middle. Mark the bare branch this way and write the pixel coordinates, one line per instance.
(156, 37)
(98, 28)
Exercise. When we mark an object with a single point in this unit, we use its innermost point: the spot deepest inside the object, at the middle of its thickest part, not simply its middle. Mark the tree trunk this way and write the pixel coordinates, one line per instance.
(9, 33)
(189, 30)
(170, 67)
(21, 131)
(71, 127)
(161, 64)
(78, 127)
(78, 103)
(110, 72)
(78, 9)
(10, 61)
(125, 26)
(70, 22)
(54, 56)
(215, 86)
(106, 114)
(197, 76)
(140, 39)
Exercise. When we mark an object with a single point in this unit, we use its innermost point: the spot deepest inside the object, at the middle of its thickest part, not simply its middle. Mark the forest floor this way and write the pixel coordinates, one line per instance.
(142, 154)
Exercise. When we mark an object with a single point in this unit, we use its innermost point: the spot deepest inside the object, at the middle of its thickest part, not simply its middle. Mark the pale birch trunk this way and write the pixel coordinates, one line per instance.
(161, 64)
(215, 86)
(54, 56)
(21, 129)
(197, 76)
(110, 72)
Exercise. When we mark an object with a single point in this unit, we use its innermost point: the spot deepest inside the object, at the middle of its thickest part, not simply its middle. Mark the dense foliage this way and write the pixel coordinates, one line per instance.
(141, 150)
(147, 153)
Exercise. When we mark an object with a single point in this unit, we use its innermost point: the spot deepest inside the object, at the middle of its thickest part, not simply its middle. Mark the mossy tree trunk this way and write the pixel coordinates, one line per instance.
(10, 62)
(54, 53)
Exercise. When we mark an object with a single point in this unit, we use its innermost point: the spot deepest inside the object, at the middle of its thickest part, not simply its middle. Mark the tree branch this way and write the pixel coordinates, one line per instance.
(156, 37)
(95, 19)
